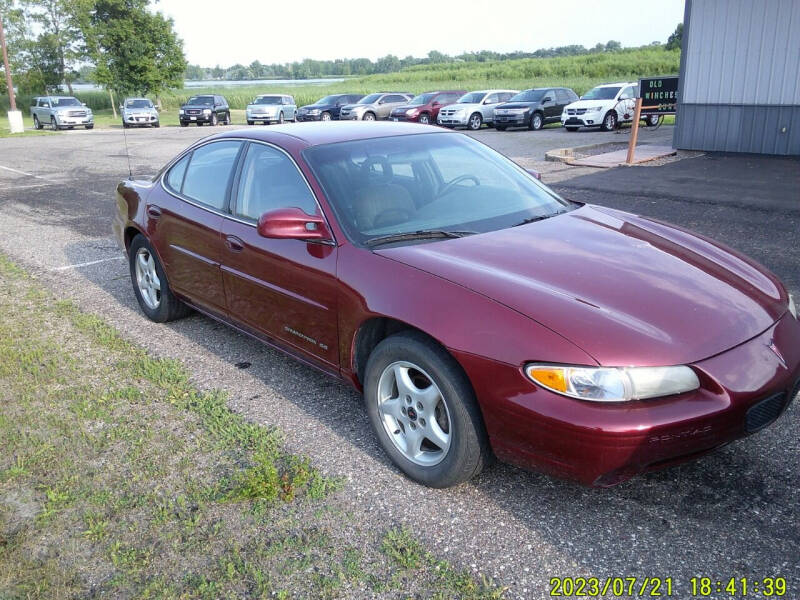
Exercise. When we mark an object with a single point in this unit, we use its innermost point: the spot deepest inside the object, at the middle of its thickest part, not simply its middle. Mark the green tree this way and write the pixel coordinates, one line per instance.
(61, 42)
(134, 50)
(675, 39)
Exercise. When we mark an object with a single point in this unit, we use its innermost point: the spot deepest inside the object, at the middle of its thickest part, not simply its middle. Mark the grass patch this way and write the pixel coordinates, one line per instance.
(119, 478)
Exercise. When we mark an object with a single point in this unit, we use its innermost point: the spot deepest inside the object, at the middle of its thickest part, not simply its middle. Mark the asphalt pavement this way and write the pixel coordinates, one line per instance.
(733, 513)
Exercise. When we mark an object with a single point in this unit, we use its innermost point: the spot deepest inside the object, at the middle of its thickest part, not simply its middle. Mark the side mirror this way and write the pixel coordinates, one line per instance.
(548, 99)
(83, 103)
(293, 224)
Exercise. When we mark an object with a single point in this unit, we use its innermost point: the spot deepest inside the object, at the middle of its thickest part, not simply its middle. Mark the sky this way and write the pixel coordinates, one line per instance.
(280, 31)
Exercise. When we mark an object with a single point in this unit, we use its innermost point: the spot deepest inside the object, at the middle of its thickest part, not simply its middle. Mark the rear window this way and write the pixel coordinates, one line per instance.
(209, 170)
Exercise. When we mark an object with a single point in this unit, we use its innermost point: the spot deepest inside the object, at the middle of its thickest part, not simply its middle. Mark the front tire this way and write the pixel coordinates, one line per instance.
(150, 285)
(53, 124)
(369, 116)
(326, 116)
(572, 129)
(536, 121)
(214, 120)
(280, 119)
(228, 118)
(424, 412)
(609, 121)
(475, 122)
(425, 119)
(500, 127)
(36, 123)
(90, 126)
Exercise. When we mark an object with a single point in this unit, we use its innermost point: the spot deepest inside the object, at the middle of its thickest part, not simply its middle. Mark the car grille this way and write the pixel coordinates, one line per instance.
(576, 111)
(765, 412)
(448, 112)
(194, 111)
(76, 113)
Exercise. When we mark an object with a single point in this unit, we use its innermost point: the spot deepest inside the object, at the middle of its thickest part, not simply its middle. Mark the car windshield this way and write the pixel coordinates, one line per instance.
(138, 104)
(414, 183)
(601, 93)
(59, 102)
(328, 100)
(421, 100)
(471, 98)
(528, 96)
(267, 100)
(202, 100)
(369, 99)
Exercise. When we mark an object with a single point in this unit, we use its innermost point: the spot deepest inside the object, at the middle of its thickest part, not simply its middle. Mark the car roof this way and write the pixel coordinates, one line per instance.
(317, 133)
(617, 84)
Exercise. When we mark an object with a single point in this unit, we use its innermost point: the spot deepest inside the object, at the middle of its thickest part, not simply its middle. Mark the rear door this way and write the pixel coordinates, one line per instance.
(185, 218)
(389, 102)
(282, 289)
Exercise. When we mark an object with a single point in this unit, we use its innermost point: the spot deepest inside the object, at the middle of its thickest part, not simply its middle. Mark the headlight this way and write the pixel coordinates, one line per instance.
(792, 307)
(411, 112)
(206, 111)
(596, 109)
(611, 384)
(314, 111)
(180, 111)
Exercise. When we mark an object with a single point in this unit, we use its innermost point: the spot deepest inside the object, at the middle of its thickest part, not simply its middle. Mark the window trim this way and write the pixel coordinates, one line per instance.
(227, 212)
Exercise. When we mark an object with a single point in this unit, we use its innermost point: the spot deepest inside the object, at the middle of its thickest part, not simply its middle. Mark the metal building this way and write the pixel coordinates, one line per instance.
(739, 87)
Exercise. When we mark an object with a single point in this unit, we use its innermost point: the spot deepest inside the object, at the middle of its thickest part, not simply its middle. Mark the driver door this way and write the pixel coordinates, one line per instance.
(283, 289)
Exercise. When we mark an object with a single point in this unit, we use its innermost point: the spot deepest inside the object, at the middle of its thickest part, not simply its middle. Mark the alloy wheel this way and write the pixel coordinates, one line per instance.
(147, 279)
(475, 122)
(536, 122)
(414, 413)
(424, 119)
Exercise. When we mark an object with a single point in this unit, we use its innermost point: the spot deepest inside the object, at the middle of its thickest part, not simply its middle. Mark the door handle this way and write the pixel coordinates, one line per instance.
(154, 211)
(233, 243)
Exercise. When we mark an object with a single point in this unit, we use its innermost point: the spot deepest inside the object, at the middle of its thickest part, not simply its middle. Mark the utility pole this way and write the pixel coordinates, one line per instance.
(14, 116)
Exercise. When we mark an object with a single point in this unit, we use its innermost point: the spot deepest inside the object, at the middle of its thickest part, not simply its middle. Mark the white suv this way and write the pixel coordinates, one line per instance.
(604, 106)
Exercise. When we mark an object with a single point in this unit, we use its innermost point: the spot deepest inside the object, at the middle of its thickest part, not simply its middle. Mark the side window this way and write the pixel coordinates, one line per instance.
(506, 96)
(395, 98)
(627, 93)
(492, 99)
(209, 170)
(562, 97)
(270, 180)
(174, 178)
(549, 94)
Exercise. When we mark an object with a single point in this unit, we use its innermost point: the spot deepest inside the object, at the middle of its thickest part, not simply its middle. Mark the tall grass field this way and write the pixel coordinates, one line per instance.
(577, 72)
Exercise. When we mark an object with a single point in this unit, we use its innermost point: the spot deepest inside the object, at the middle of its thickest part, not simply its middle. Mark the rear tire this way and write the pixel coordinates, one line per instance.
(159, 305)
(425, 119)
(439, 410)
(651, 120)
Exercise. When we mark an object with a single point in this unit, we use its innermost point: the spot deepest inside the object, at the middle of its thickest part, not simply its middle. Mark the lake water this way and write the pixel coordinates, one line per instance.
(86, 87)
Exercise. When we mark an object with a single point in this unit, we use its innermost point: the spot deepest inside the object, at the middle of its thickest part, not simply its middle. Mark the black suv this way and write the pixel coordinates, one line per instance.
(327, 108)
(207, 108)
(533, 108)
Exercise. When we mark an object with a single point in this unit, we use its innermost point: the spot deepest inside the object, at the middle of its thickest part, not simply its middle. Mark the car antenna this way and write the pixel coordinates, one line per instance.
(127, 153)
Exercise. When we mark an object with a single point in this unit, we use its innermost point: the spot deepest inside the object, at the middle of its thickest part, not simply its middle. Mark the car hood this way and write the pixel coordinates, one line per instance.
(590, 103)
(517, 105)
(627, 290)
(201, 106)
(464, 105)
(316, 106)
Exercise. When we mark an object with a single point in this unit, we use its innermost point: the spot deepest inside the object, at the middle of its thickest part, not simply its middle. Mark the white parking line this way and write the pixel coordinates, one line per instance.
(87, 264)
(20, 172)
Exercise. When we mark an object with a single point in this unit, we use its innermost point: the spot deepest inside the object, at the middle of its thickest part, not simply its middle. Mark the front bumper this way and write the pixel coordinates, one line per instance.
(592, 119)
(353, 116)
(262, 117)
(140, 120)
(742, 390)
(201, 118)
(511, 120)
(72, 121)
(453, 120)
(309, 117)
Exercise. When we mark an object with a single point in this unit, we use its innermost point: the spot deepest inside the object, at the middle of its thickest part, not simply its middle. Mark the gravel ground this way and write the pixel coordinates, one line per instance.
(731, 513)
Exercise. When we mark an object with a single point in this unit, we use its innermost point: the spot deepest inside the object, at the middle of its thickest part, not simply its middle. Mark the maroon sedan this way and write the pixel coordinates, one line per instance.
(480, 313)
(425, 107)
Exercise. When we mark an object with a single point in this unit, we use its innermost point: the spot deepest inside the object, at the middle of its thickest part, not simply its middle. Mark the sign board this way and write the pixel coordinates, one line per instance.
(659, 95)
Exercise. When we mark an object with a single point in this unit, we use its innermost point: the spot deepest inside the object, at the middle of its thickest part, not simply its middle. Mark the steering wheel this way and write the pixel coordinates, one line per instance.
(449, 185)
(391, 216)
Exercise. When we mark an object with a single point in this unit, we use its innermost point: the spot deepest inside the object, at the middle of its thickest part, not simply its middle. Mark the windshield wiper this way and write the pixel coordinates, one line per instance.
(538, 218)
(423, 234)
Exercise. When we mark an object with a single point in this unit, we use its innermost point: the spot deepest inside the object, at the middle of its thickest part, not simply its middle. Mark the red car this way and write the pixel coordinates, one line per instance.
(480, 313)
(425, 107)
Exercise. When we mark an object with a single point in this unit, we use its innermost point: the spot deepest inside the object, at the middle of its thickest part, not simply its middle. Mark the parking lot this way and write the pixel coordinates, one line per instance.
(733, 513)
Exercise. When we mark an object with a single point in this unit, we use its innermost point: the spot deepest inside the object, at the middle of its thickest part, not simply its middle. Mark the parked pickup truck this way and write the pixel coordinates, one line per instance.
(61, 112)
